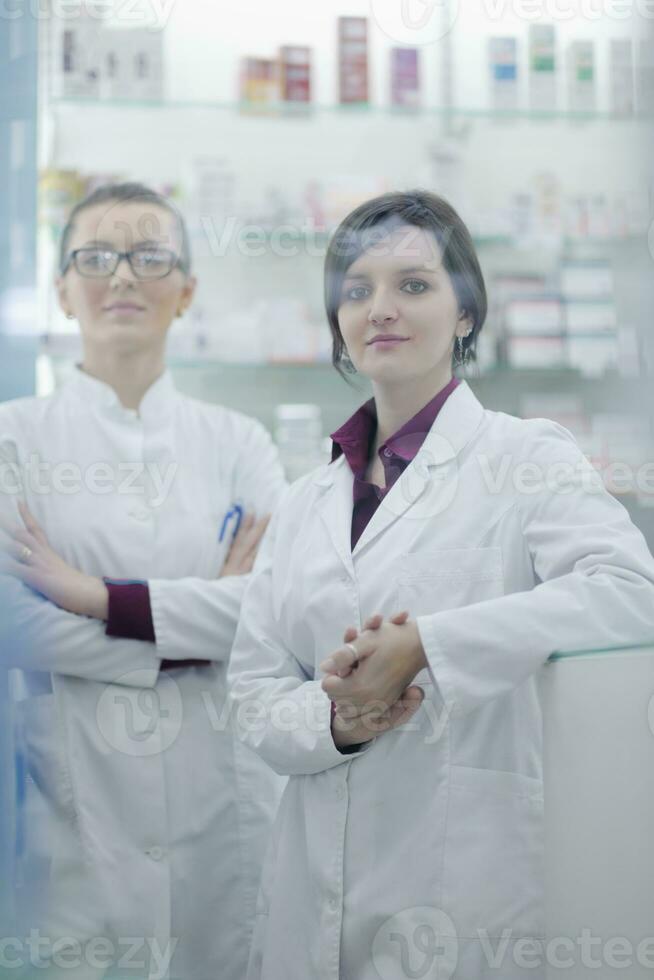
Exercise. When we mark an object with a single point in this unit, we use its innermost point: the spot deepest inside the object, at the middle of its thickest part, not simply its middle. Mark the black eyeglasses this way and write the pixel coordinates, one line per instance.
(100, 263)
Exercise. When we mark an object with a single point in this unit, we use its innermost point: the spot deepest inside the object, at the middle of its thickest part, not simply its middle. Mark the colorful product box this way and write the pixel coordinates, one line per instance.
(295, 73)
(542, 67)
(503, 63)
(352, 60)
(581, 77)
(405, 77)
(259, 81)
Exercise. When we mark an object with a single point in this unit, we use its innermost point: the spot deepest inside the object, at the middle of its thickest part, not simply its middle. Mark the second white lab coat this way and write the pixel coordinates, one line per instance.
(422, 854)
(144, 817)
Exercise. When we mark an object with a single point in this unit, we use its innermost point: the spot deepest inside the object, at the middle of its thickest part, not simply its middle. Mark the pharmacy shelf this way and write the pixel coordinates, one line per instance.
(500, 388)
(286, 235)
(308, 110)
(257, 390)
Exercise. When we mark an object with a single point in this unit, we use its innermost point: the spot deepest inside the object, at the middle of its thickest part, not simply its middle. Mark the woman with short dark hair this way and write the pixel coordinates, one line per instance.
(393, 630)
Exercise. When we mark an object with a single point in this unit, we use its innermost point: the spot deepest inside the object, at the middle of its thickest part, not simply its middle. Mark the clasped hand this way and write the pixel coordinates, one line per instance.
(369, 681)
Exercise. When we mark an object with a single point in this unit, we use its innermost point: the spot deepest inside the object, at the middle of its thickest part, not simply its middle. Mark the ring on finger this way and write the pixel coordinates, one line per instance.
(25, 554)
(351, 647)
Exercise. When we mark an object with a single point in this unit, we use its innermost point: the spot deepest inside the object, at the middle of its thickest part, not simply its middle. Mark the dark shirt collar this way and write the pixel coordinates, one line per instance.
(355, 437)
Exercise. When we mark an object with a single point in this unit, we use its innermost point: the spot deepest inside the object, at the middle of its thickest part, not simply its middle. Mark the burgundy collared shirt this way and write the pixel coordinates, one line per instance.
(130, 612)
(355, 440)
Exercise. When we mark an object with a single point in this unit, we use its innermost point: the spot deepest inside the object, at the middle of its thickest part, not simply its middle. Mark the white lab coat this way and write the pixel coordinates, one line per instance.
(416, 854)
(151, 815)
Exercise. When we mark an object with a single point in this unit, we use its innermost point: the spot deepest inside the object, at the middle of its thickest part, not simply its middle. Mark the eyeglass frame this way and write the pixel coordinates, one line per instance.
(72, 260)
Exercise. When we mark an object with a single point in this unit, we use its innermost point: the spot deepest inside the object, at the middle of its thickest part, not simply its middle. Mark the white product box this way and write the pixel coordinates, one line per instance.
(645, 78)
(76, 55)
(567, 410)
(534, 317)
(590, 317)
(209, 183)
(132, 64)
(586, 279)
(592, 354)
(506, 288)
(622, 77)
(630, 357)
(536, 352)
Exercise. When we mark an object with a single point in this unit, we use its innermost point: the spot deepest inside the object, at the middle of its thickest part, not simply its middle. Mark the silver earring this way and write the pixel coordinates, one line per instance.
(461, 356)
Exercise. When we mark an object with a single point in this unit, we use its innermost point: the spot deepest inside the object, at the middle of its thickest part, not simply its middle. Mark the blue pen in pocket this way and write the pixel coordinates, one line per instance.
(235, 515)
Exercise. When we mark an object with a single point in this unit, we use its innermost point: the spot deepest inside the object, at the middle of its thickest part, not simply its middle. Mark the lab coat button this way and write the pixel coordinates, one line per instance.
(140, 514)
(333, 904)
(156, 853)
(340, 792)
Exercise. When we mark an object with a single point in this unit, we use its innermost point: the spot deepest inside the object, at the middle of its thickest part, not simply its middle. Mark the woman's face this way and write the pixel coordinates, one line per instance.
(399, 313)
(120, 311)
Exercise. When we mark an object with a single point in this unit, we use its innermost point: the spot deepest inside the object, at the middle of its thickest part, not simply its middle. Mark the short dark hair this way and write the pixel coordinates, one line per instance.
(140, 193)
(423, 210)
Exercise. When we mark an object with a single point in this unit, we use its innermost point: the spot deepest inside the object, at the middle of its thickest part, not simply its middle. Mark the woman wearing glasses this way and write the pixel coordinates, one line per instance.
(120, 499)
(408, 842)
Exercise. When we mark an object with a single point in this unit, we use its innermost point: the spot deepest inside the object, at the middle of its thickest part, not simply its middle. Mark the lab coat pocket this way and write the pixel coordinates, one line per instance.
(436, 580)
(494, 866)
(48, 790)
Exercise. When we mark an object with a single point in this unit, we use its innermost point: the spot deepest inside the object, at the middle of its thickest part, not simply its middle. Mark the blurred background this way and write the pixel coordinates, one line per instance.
(267, 123)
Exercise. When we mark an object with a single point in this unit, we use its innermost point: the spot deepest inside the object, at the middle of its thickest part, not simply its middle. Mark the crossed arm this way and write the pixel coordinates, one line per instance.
(357, 690)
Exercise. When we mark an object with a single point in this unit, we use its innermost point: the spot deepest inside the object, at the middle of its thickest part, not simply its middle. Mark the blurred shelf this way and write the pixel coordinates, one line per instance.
(65, 347)
(317, 241)
(289, 110)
